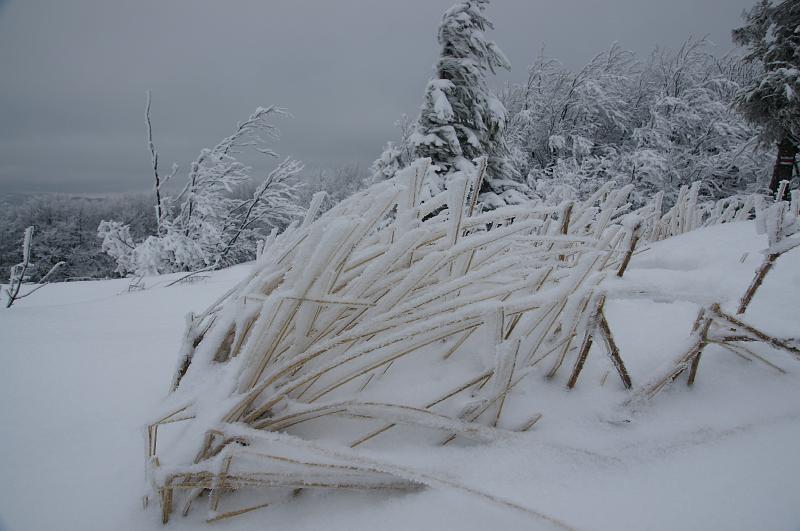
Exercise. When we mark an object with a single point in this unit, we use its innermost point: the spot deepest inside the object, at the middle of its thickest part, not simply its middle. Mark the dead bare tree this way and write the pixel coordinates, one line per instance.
(17, 276)
(154, 159)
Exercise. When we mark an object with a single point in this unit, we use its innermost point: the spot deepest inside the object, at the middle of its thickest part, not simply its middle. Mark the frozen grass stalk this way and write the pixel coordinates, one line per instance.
(283, 381)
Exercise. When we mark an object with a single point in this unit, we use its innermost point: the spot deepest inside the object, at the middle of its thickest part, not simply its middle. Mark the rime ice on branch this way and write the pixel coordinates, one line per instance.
(208, 224)
(18, 272)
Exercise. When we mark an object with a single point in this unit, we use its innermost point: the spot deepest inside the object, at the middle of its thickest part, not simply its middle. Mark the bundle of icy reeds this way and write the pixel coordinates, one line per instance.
(688, 213)
(780, 222)
(387, 317)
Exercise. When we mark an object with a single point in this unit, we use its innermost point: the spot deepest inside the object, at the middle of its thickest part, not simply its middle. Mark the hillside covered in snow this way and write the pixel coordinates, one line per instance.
(88, 364)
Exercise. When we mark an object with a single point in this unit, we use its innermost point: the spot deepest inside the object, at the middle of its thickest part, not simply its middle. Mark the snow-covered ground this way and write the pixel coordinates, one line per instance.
(84, 365)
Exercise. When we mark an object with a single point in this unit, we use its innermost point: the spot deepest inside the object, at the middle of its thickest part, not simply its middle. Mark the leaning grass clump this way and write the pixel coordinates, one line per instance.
(391, 317)
(780, 221)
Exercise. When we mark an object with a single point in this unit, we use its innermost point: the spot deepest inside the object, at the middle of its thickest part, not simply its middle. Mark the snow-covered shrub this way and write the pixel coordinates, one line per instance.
(208, 224)
(659, 125)
(20, 272)
(116, 242)
(570, 179)
(337, 183)
(388, 164)
(558, 113)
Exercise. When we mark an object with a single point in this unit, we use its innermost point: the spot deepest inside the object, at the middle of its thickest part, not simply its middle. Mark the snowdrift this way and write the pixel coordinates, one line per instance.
(394, 322)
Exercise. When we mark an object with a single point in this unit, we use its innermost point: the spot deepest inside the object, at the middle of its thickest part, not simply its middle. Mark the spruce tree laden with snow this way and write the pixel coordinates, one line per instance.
(772, 36)
(461, 119)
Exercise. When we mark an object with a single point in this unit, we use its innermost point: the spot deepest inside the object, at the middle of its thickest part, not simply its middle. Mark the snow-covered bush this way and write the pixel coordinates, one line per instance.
(388, 164)
(395, 155)
(660, 125)
(208, 224)
(558, 113)
(19, 272)
(338, 183)
(116, 242)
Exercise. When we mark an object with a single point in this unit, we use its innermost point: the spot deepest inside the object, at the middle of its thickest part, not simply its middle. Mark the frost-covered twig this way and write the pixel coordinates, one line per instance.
(154, 161)
(780, 223)
(18, 271)
(210, 223)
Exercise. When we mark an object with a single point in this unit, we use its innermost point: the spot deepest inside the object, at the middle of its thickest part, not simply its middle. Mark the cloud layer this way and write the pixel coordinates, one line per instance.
(73, 74)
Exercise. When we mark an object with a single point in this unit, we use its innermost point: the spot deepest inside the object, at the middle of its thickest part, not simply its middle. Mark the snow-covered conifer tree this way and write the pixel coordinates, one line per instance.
(460, 118)
(772, 34)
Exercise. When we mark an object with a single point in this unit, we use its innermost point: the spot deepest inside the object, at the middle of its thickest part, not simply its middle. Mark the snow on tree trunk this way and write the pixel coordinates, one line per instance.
(784, 164)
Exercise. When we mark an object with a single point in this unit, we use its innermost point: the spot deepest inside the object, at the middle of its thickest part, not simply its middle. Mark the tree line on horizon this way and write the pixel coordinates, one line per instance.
(659, 123)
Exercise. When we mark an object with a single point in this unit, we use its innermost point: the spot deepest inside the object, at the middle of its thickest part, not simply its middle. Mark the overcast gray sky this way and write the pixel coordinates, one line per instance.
(73, 73)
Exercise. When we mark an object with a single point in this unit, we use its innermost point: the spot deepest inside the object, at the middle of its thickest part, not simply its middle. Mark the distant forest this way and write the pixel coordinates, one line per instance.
(65, 225)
